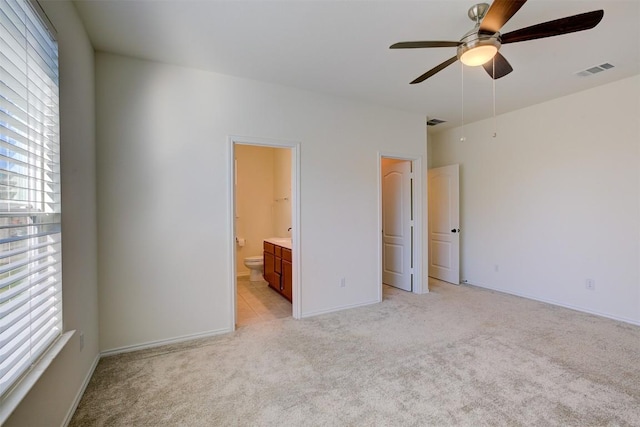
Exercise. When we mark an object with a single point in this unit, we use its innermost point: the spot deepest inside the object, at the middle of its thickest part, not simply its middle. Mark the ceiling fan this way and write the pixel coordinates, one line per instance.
(481, 44)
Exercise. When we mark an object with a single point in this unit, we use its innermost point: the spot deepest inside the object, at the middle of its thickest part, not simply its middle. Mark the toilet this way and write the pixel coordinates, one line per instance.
(254, 264)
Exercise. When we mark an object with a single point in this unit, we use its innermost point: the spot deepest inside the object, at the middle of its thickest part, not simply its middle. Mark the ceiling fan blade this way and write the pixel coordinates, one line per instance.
(415, 45)
(499, 13)
(502, 66)
(434, 70)
(570, 24)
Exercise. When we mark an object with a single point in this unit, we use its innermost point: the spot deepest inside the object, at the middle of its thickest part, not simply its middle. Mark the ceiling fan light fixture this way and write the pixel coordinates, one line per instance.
(478, 51)
(478, 55)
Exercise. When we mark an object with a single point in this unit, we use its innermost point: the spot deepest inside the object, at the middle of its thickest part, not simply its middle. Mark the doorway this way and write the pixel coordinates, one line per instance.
(264, 203)
(401, 218)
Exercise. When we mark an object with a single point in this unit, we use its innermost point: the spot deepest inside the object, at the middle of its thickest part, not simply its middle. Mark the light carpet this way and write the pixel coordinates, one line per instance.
(459, 355)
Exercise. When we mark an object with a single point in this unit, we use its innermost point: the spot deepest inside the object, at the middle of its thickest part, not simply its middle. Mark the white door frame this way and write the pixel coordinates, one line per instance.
(295, 217)
(420, 284)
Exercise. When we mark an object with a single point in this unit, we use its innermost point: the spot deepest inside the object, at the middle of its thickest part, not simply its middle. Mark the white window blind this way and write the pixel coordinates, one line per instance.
(30, 255)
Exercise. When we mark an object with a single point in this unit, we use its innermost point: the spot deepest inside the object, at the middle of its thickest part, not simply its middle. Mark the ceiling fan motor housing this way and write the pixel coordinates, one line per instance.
(477, 12)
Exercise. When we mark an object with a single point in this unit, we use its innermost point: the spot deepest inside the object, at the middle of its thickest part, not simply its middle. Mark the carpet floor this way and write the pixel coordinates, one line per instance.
(459, 355)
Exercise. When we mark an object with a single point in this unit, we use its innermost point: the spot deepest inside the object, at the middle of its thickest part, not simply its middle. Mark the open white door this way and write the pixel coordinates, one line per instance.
(444, 224)
(397, 224)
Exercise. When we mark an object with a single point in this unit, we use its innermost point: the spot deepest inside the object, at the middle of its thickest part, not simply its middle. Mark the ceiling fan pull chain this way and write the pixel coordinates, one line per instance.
(462, 138)
(495, 124)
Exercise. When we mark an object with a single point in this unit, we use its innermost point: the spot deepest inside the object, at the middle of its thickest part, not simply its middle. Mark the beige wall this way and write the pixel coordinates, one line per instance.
(282, 192)
(254, 200)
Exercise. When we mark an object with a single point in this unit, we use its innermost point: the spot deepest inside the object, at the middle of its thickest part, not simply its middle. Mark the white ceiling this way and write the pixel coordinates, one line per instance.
(342, 47)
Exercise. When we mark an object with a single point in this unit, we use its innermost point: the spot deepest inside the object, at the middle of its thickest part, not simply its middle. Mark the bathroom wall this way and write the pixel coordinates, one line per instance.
(254, 200)
(282, 192)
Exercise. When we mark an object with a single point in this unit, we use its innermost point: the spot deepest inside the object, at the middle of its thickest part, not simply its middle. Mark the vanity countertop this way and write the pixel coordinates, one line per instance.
(285, 242)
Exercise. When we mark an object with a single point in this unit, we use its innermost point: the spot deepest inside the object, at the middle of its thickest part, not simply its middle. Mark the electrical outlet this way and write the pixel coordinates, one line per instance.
(343, 282)
(81, 336)
(590, 284)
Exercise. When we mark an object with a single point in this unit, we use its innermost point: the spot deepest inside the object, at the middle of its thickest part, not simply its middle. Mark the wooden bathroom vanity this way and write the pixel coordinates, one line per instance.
(277, 265)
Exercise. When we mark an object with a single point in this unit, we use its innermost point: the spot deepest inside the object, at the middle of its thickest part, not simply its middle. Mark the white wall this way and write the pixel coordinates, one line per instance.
(53, 396)
(554, 200)
(163, 182)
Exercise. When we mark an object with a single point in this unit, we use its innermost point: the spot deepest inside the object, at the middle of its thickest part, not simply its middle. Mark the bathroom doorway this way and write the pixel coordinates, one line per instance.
(264, 202)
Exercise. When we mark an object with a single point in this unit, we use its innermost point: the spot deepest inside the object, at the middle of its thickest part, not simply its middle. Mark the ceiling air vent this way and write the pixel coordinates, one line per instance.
(433, 122)
(595, 70)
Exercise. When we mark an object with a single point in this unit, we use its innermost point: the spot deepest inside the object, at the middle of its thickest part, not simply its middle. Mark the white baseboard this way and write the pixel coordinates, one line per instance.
(158, 343)
(559, 304)
(85, 383)
(334, 309)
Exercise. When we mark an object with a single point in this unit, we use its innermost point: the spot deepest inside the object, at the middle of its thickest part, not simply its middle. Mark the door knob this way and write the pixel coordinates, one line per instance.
(454, 230)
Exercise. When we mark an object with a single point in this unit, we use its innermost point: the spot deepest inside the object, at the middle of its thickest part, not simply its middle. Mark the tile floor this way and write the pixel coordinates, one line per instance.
(256, 302)
(259, 303)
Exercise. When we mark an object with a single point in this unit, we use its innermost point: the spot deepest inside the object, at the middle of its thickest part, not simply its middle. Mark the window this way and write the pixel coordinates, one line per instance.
(30, 232)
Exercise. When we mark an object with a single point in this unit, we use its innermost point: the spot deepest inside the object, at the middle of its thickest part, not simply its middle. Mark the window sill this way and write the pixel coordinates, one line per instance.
(13, 398)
